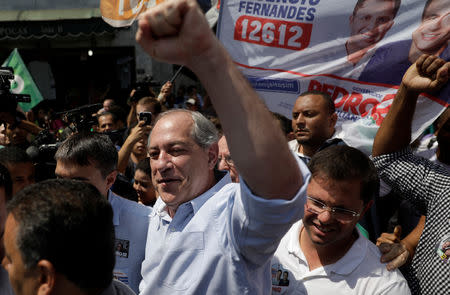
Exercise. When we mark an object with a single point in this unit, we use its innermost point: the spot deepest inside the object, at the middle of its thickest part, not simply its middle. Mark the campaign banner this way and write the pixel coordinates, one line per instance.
(355, 50)
(23, 82)
(122, 13)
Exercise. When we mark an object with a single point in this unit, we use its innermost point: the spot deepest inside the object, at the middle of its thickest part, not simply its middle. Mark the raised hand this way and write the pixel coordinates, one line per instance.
(176, 32)
(428, 74)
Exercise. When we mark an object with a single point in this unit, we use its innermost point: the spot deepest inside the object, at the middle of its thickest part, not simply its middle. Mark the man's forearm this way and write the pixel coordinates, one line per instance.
(124, 156)
(256, 142)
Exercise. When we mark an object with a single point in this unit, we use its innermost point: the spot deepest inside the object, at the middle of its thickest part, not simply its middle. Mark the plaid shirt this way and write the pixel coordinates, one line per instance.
(427, 186)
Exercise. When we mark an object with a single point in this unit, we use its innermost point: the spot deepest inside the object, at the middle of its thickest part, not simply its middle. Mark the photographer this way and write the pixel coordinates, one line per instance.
(17, 128)
(133, 149)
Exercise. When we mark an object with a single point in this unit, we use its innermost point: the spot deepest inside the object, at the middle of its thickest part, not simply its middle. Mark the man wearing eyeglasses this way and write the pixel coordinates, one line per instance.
(324, 252)
(224, 161)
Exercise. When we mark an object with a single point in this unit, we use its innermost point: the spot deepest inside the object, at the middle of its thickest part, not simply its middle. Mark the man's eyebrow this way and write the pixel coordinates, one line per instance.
(171, 144)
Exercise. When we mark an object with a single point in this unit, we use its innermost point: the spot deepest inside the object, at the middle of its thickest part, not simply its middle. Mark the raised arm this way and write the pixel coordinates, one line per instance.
(177, 32)
(428, 74)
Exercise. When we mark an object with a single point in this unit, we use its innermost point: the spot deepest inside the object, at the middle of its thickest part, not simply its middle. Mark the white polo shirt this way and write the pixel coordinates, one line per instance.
(359, 271)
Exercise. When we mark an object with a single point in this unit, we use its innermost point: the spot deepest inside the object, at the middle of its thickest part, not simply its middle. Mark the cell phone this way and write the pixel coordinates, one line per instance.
(145, 116)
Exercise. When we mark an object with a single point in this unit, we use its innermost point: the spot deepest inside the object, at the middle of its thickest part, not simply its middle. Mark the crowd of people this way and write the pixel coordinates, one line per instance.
(213, 194)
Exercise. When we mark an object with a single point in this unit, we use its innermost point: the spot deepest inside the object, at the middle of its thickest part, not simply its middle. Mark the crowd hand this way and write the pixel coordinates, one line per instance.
(428, 74)
(176, 32)
(393, 251)
(30, 116)
(140, 131)
(165, 91)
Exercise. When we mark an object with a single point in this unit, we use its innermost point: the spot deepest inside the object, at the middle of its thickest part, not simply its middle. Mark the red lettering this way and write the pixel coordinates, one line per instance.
(314, 85)
(352, 102)
(377, 114)
(276, 289)
(327, 88)
(338, 91)
(364, 104)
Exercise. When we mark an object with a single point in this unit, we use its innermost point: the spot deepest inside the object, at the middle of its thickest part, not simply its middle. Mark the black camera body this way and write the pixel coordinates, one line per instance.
(7, 74)
(145, 116)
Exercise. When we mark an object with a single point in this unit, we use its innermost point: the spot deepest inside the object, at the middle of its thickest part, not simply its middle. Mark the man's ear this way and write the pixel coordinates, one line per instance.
(366, 208)
(111, 178)
(46, 277)
(333, 120)
(213, 155)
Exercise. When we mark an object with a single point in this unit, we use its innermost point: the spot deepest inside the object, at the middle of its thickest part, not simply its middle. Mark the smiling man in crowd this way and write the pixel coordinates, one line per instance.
(207, 235)
(370, 21)
(324, 252)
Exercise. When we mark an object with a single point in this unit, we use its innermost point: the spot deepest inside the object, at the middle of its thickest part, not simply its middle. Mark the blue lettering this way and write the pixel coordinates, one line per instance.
(265, 9)
(241, 5)
(249, 7)
(291, 12)
(310, 14)
(314, 2)
(282, 11)
(273, 11)
(256, 8)
(300, 13)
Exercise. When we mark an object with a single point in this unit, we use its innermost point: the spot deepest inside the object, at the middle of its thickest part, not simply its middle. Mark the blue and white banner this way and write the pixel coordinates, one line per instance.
(355, 50)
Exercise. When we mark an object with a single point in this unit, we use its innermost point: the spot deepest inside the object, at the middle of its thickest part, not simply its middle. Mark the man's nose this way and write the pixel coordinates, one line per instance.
(325, 217)
(223, 164)
(163, 162)
(300, 120)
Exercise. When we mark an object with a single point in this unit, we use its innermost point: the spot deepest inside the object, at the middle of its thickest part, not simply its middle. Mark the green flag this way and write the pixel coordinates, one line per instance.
(23, 82)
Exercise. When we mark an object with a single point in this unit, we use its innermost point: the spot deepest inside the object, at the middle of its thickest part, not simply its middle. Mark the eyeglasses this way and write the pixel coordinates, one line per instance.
(341, 214)
(227, 160)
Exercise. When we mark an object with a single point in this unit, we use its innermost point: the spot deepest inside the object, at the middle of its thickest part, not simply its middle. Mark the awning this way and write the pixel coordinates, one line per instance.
(49, 14)
(12, 30)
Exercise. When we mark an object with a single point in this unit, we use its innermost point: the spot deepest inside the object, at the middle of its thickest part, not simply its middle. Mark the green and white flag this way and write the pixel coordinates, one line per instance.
(23, 82)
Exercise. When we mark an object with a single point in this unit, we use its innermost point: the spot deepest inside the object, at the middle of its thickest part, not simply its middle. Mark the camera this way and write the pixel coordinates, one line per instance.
(145, 116)
(6, 74)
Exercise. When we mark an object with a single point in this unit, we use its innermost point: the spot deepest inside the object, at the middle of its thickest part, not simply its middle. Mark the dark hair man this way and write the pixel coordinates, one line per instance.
(313, 121)
(92, 158)
(325, 252)
(19, 165)
(5, 195)
(370, 21)
(207, 235)
(425, 184)
(107, 122)
(59, 239)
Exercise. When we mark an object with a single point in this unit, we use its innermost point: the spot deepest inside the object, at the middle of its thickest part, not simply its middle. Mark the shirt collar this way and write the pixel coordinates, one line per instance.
(222, 178)
(293, 245)
(344, 266)
(116, 207)
(354, 257)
